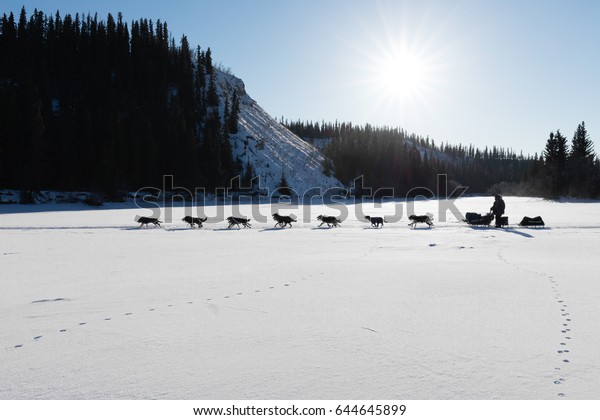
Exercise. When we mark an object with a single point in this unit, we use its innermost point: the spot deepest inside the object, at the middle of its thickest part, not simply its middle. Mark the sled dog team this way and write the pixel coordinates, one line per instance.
(284, 221)
(473, 219)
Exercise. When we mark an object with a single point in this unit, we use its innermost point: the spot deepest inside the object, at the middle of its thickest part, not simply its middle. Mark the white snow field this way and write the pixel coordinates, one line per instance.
(93, 307)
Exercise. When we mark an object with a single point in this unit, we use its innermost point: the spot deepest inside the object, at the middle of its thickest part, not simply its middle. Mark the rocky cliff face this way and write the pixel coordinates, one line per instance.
(270, 147)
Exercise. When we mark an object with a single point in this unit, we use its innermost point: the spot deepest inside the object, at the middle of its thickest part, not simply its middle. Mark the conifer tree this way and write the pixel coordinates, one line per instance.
(226, 149)
(212, 97)
(581, 163)
(208, 65)
(581, 147)
(248, 174)
(200, 85)
(233, 118)
(283, 186)
(555, 157)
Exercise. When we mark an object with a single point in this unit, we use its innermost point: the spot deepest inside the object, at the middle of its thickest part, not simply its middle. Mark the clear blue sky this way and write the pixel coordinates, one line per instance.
(499, 72)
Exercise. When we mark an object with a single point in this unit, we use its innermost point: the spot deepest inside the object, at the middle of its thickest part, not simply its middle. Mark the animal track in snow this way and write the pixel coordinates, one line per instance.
(49, 300)
(555, 287)
(64, 330)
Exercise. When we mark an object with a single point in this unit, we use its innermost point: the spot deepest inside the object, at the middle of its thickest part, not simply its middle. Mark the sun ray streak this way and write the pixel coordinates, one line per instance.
(401, 70)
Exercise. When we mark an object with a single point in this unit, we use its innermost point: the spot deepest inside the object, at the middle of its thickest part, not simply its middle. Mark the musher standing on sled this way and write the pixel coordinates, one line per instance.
(498, 208)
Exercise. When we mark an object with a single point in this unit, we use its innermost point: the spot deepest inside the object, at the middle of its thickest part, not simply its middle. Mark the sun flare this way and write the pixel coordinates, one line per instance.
(400, 70)
(400, 75)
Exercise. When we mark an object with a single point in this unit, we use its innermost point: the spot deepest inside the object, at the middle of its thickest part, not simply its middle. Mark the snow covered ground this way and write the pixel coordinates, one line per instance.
(94, 307)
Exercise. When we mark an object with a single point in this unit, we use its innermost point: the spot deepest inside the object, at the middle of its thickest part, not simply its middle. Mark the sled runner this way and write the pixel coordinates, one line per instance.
(476, 219)
(532, 221)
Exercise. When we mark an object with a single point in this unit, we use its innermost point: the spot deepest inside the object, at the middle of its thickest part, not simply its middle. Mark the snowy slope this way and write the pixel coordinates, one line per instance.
(270, 147)
(94, 307)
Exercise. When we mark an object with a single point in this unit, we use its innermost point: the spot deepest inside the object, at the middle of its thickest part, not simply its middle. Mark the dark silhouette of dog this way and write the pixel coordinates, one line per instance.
(420, 219)
(283, 221)
(194, 221)
(376, 221)
(237, 221)
(330, 220)
(144, 221)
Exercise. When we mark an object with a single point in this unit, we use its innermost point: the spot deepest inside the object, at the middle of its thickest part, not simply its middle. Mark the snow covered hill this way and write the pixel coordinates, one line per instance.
(270, 147)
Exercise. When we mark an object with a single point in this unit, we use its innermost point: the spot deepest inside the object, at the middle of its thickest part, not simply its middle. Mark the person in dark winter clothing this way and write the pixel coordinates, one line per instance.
(498, 208)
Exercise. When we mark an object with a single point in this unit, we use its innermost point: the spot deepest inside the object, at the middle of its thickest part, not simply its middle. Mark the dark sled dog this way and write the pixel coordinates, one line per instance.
(330, 220)
(376, 221)
(237, 221)
(194, 221)
(143, 221)
(420, 219)
(282, 221)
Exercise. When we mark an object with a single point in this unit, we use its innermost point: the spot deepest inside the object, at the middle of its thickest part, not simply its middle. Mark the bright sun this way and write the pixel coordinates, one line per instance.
(400, 75)
(398, 71)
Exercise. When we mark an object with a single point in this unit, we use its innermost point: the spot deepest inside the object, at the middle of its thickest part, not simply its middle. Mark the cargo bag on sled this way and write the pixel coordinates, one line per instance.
(477, 219)
(532, 221)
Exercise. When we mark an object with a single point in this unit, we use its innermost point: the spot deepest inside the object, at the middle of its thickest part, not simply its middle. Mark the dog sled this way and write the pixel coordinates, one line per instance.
(476, 219)
(532, 222)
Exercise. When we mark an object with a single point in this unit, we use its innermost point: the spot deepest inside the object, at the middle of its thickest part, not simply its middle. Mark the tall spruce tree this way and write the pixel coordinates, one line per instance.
(234, 115)
(581, 146)
(208, 65)
(581, 163)
(283, 186)
(212, 97)
(555, 157)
